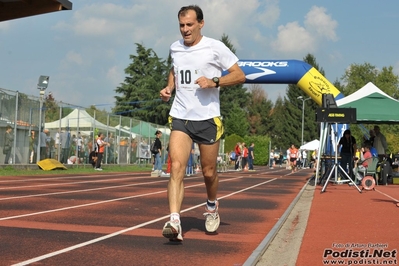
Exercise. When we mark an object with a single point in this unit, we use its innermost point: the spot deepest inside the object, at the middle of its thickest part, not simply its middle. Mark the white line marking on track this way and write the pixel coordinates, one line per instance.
(386, 195)
(83, 190)
(83, 244)
(59, 177)
(73, 183)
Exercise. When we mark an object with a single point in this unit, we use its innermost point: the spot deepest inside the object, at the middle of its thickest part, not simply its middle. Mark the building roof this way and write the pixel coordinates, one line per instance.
(13, 9)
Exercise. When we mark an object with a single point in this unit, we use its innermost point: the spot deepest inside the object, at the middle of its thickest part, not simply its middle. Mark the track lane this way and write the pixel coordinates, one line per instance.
(256, 198)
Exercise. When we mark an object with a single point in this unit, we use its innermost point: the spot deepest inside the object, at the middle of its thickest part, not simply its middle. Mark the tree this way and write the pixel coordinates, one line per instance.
(52, 110)
(236, 122)
(259, 108)
(277, 125)
(358, 75)
(146, 76)
(289, 130)
(230, 95)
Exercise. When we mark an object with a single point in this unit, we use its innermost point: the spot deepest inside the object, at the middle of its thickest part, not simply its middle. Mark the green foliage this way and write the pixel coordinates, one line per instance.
(236, 122)
(231, 141)
(52, 110)
(259, 109)
(358, 75)
(146, 76)
(261, 148)
(232, 95)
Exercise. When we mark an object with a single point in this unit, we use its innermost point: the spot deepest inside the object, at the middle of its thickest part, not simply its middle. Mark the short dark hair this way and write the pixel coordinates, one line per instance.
(8, 127)
(195, 8)
(367, 144)
(347, 132)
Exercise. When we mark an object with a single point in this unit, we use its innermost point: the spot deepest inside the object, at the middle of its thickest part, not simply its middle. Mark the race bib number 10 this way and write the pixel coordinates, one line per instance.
(187, 77)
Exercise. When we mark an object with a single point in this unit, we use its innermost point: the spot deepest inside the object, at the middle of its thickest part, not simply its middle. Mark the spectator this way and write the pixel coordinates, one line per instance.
(280, 159)
(251, 157)
(8, 143)
(380, 143)
(232, 157)
(271, 159)
(373, 150)
(347, 143)
(110, 149)
(43, 144)
(244, 156)
(362, 165)
(57, 144)
(100, 147)
(158, 153)
(32, 147)
(65, 138)
(237, 150)
(304, 158)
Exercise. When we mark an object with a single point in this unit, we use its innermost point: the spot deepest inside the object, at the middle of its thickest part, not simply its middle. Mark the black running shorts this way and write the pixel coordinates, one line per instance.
(202, 132)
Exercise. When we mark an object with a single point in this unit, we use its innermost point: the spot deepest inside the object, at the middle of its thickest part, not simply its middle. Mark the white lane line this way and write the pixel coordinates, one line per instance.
(73, 183)
(86, 190)
(79, 191)
(59, 177)
(392, 198)
(83, 244)
(99, 202)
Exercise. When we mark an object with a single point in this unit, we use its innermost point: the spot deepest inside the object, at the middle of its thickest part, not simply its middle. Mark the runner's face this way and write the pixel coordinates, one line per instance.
(190, 28)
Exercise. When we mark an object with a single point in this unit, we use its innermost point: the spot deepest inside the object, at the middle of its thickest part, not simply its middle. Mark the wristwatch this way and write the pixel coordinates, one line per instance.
(216, 80)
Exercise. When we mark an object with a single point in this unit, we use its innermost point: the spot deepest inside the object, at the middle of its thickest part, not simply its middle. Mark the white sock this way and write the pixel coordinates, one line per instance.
(175, 216)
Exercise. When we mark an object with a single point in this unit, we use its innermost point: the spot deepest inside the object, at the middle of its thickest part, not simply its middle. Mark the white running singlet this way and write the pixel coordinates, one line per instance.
(208, 58)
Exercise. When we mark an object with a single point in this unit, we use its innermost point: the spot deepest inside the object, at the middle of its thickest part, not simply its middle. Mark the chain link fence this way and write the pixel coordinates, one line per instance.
(35, 129)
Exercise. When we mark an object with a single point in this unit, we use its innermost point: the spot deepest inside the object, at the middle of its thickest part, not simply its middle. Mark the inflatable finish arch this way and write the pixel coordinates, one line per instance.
(306, 77)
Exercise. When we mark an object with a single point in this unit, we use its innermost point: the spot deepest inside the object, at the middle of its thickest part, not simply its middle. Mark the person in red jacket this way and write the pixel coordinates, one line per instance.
(237, 150)
(100, 147)
(244, 156)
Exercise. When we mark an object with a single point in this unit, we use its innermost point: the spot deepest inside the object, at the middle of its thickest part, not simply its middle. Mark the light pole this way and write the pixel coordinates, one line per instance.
(303, 114)
(42, 86)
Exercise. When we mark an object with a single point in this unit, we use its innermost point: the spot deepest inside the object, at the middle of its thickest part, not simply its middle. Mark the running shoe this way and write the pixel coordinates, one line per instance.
(212, 219)
(172, 231)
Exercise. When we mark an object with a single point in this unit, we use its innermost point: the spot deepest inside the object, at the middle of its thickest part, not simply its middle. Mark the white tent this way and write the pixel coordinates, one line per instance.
(310, 146)
(78, 118)
(125, 130)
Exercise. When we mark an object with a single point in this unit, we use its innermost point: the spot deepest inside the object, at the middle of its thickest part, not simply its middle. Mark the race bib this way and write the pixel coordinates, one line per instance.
(186, 78)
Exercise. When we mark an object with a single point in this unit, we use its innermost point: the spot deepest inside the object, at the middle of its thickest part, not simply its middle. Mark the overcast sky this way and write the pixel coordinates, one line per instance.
(85, 51)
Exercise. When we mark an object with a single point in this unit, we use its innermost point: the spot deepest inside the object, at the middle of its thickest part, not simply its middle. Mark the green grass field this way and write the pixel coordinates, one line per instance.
(75, 169)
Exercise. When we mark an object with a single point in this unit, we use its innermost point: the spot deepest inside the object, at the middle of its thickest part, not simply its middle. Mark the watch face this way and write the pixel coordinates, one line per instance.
(216, 80)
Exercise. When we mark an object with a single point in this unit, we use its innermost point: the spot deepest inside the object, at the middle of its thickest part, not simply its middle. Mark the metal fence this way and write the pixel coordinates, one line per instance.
(50, 129)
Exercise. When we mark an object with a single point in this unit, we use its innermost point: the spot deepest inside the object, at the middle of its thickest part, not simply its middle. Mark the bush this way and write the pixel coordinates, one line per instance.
(261, 148)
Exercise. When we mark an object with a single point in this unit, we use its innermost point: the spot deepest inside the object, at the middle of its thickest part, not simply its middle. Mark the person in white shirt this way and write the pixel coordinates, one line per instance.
(196, 76)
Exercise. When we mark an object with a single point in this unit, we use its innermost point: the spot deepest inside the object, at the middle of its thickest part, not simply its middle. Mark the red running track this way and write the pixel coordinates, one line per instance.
(116, 218)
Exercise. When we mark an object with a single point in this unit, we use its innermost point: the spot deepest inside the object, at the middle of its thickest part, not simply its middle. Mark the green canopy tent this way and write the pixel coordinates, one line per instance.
(144, 129)
(373, 106)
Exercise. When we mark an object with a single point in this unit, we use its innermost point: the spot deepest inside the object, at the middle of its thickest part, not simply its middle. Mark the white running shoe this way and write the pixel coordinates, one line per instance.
(172, 231)
(212, 218)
